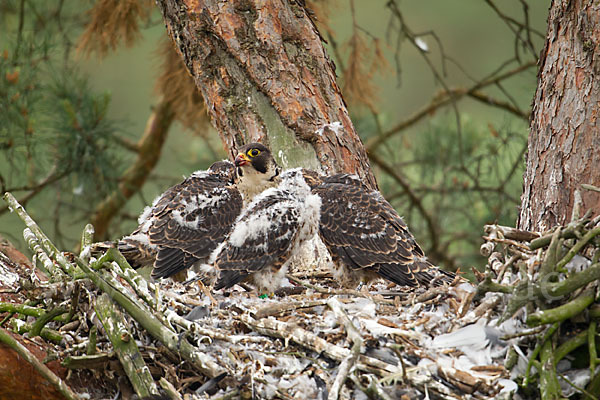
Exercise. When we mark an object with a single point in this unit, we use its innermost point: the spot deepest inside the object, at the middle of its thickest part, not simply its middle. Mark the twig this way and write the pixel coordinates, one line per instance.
(549, 262)
(213, 333)
(572, 283)
(564, 349)
(440, 101)
(275, 328)
(374, 389)
(45, 243)
(537, 350)
(204, 362)
(577, 247)
(590, 187)
(150, 145)
(92, 338)
(335, 292)
(349, 361)
(579, 389)
(87, 237)
(95, 361)
(592, 347)
(141, 286)
(549, 385)
(525, 292)
(509, 242)
(43, 261)
(281, 308)
(562, 312)
(21, 328)
(169, 389)
(132, 361)
(46, 317)
(529, 332)
(34, 190)
(577, 205)
(23, 309)
(568, 232)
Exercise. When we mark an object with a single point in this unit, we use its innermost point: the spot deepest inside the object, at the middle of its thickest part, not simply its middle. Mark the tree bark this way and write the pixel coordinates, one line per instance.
(265, 76)
(564, 139)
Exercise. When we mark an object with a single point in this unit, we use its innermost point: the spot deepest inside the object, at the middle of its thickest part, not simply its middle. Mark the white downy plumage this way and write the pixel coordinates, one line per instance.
(290, 209)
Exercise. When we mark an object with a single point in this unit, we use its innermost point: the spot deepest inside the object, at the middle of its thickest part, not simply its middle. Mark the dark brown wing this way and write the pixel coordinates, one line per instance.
(263, 237)
(345, 179)
(362, 230)
(190, 220)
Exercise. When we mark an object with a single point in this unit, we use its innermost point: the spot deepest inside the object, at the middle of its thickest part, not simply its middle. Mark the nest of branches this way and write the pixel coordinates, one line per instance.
(546, 288)
(115, 331)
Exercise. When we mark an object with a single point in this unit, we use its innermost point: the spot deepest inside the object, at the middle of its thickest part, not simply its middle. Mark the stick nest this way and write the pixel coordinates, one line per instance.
(311, 340)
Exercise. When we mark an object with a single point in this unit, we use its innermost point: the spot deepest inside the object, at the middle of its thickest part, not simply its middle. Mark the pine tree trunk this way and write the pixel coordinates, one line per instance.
(564, 139)
(265, 76)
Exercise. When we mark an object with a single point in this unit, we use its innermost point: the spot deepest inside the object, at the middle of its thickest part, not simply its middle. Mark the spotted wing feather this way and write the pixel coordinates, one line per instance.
(190, 220)
(364, 232)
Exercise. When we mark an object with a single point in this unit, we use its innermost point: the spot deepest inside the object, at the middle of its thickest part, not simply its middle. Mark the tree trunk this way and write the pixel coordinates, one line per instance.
(564, 139)
(265, 76)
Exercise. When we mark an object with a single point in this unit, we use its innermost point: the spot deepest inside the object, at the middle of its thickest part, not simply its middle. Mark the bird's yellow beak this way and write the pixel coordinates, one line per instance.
(241, 159)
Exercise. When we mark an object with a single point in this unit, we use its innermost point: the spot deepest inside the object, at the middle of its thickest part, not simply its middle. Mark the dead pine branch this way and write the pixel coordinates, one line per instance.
(150, 146)
(124, 345)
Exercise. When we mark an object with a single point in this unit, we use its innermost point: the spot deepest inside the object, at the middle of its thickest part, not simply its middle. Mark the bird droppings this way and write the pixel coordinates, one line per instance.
(8, 279)
(334, 127)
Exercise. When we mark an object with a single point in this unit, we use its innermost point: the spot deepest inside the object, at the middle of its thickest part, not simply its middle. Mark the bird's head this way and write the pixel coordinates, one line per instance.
(256, 169)
(255, 158)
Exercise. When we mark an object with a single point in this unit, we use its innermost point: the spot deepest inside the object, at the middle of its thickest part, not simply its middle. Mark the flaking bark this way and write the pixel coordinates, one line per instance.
(265, 76)
(564, 140)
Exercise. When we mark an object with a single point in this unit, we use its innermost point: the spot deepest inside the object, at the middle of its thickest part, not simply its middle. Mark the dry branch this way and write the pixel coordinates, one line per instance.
(124, 345)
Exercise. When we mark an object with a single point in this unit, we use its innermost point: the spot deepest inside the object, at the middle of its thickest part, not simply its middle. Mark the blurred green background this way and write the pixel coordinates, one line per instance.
(456, 183)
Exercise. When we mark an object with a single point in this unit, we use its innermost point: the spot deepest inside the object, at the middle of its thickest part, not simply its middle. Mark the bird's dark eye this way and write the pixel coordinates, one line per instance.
(254, 152)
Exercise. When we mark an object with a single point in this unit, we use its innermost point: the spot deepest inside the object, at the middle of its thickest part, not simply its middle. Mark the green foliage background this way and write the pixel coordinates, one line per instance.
(70, 113)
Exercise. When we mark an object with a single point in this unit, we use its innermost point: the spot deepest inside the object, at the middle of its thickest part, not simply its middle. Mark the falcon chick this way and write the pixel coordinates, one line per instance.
(256, 169)
(189, 220)
(363, 233)
(186, 223)
(367, 238)
(267, 234)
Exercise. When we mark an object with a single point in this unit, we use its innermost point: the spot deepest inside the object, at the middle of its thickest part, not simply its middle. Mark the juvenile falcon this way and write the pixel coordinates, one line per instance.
(188, 221)
(268, 233)
(368, 239)
(257, 170)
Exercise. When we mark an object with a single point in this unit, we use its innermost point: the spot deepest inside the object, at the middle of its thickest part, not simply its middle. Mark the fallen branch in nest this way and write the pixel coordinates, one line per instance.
(348, 362)
(125, 347)
(307, 339)
(335, 292)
